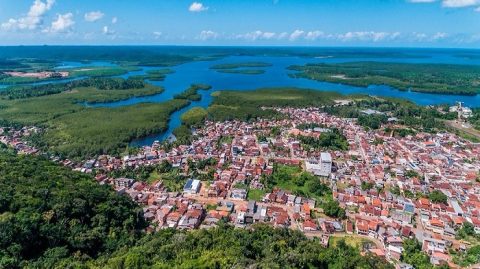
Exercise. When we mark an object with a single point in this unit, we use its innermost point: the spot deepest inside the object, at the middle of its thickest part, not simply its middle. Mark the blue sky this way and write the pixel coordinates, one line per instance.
(413, 23)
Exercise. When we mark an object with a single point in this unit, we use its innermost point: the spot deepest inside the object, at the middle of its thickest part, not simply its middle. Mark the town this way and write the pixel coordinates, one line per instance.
(382, 189)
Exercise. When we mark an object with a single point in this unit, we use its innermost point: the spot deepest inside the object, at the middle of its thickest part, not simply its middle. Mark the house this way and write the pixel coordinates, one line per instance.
(321, 167)
(192, 186)
(309, 226)
(240, 194)
(191, 219)
(431, 245)
(123, 182)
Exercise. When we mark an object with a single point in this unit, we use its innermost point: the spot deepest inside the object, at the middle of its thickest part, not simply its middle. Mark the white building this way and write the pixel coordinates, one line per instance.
(462, 111)
(192, 186)
(322, 167)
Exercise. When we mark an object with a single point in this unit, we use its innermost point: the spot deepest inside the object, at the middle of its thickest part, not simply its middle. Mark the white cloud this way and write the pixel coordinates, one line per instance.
(207, 35)
(33, 19)
(314, 35)
(157, 35)
(93, 16)
(114, 20)
(439, 36)
(107, 31)
(296, 35)
(197, 7)
(268, 35)
(252, 36)
(419, 37)
(369, 36)
(63, 23)
(460, 3)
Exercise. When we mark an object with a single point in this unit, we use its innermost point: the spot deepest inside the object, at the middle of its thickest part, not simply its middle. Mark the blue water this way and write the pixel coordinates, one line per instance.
(277, 75)
(70, 64)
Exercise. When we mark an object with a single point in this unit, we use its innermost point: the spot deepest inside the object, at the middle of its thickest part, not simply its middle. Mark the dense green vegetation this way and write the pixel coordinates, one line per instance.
(475, 119)
(140, 56)
(18, 92)
(100, 71)
(407, 113)
(173, 178)
(245, 68)
(94, 131)
(194, 116)
(246, 105)
(333, 140)
(155, 75)
(469, 257)
(431, 78)
(437, 196)
(226, 247)
(192, 92)
(49, 213)
(240, 65)
(414, 255)
(333, 209)
(7, 79)
(291, 178)
(28, 64)
(95, 71)
(372, 121)
(76, 131)
(158, 75)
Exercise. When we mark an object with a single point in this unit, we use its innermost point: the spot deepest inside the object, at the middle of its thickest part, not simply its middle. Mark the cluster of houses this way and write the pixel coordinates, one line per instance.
(15, 138)
(383, 181)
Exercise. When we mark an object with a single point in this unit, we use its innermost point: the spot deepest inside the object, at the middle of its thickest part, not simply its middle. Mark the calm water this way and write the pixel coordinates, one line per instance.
(277, 75)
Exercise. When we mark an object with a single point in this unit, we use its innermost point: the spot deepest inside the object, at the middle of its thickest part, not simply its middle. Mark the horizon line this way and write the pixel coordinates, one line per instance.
(240, 46)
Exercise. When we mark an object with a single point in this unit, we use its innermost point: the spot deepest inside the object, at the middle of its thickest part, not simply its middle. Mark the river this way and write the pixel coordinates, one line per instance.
(277, 75)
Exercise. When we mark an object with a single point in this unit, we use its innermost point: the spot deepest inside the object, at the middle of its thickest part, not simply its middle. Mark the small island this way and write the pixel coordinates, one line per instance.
(245, 68)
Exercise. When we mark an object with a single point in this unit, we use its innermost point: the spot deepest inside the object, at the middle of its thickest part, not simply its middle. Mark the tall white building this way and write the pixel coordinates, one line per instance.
(322, 167)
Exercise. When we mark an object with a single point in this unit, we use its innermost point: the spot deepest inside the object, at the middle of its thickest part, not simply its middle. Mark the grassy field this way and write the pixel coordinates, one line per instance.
(351, 240)
(74, 130)
(430, 78)
(293, 179)
(255, 194)
(172, 180)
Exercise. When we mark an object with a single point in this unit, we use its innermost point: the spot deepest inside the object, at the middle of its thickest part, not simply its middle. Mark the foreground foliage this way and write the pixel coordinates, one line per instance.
(226, 247)
(48, 213)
